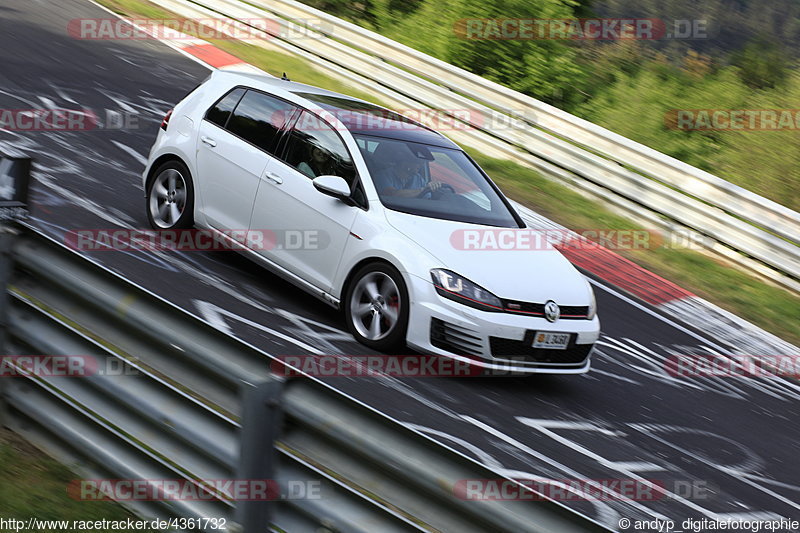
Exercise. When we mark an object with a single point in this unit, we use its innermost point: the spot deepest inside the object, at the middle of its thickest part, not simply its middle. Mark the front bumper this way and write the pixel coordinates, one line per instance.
(501, 343)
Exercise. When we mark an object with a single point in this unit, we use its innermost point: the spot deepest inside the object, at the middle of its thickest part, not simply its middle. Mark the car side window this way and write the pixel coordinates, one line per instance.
(221, 111)
(259, 118)
(315, 149)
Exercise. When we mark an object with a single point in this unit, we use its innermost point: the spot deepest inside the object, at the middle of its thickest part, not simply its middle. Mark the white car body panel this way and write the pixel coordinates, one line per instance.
(232, 172)
(513, 274)
(294, 205)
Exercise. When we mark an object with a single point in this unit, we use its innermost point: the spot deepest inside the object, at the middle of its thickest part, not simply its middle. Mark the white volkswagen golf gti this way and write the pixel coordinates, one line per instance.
(387, 201)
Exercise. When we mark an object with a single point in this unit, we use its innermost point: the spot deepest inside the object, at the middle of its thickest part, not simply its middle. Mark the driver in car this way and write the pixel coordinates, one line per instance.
(404, 176)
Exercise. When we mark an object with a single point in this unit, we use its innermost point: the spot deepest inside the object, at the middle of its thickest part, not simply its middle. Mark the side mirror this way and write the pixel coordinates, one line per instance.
(332, 186)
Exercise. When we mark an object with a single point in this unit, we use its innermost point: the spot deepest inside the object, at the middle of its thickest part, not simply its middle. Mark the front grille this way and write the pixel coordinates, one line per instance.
(568, 312)
(455, 339)
(502, 348)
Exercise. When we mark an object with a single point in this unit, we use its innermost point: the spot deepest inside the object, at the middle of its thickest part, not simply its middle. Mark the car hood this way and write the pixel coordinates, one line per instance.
(524, 275)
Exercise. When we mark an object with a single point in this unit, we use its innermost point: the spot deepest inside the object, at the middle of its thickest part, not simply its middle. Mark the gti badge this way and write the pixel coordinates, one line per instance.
(551, 311)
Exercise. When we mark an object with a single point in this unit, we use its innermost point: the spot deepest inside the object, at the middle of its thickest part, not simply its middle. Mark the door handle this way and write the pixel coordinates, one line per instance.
(274, 177)
(209, 141)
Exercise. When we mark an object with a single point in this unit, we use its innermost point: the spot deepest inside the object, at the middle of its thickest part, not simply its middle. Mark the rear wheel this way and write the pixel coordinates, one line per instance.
(170, 197)
(376, 307)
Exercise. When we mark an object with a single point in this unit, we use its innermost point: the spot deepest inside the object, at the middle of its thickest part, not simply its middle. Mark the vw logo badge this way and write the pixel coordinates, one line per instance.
(551, 311)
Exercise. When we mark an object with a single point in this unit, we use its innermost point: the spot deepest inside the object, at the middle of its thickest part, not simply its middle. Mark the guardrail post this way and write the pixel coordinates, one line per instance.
(15, 173)
(6, 240)
(262, 418)
(7, 233)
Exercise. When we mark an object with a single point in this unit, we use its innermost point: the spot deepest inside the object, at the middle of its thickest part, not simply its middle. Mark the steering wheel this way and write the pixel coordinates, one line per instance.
(435, 195)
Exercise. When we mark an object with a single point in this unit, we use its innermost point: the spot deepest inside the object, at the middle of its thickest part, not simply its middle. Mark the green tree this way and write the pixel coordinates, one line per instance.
(543, 68)
(762, 64)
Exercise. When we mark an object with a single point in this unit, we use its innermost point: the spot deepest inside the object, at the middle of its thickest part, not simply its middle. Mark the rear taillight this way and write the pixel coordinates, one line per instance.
(165, 122)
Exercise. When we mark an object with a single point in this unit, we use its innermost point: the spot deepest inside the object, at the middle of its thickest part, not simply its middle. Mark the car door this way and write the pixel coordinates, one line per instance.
(235, 145)
(310, 228)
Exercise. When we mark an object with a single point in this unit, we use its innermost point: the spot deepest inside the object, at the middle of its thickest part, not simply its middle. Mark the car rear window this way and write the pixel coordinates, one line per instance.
(221, 111)
(259, 118)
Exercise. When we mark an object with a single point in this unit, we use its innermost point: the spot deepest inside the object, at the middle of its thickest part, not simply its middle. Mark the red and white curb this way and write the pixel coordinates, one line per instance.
(199, 50)
(208, 54)
(746, 338)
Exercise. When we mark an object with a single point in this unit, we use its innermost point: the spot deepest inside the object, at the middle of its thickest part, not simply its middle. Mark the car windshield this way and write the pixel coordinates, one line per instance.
(432, 181)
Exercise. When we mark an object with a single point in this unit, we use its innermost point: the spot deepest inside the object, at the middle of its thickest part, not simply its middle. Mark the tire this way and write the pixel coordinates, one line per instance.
(170, 197)
(381, 332)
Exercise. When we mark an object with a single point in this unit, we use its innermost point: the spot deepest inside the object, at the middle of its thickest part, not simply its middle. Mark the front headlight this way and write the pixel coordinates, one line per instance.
(459, 289)
(592, 311)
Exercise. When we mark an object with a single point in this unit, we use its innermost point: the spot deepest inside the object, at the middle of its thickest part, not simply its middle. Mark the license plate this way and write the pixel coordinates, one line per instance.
(553, 341)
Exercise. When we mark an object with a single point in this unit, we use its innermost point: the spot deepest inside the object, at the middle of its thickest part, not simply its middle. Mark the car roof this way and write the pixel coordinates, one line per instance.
(358, 116)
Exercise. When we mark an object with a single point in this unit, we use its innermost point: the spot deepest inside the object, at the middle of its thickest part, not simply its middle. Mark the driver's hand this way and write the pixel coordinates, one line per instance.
(434, 185)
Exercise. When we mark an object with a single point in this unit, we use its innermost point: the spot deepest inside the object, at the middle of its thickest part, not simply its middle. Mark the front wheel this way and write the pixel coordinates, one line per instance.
(376, 307)
(170, 197)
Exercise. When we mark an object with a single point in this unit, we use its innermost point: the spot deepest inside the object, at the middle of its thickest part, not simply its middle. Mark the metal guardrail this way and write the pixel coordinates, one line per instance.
(180, 410)
(753, 231)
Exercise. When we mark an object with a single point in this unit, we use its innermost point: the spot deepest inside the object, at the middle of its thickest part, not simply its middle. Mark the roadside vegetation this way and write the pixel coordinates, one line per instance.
(32, 485)
(742, 57)
(772, 308)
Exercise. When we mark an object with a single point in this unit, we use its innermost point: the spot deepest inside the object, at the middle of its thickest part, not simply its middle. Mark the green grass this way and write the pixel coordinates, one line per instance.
(297, 69)
(136, 8)
(768, 306)
(32, 485)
